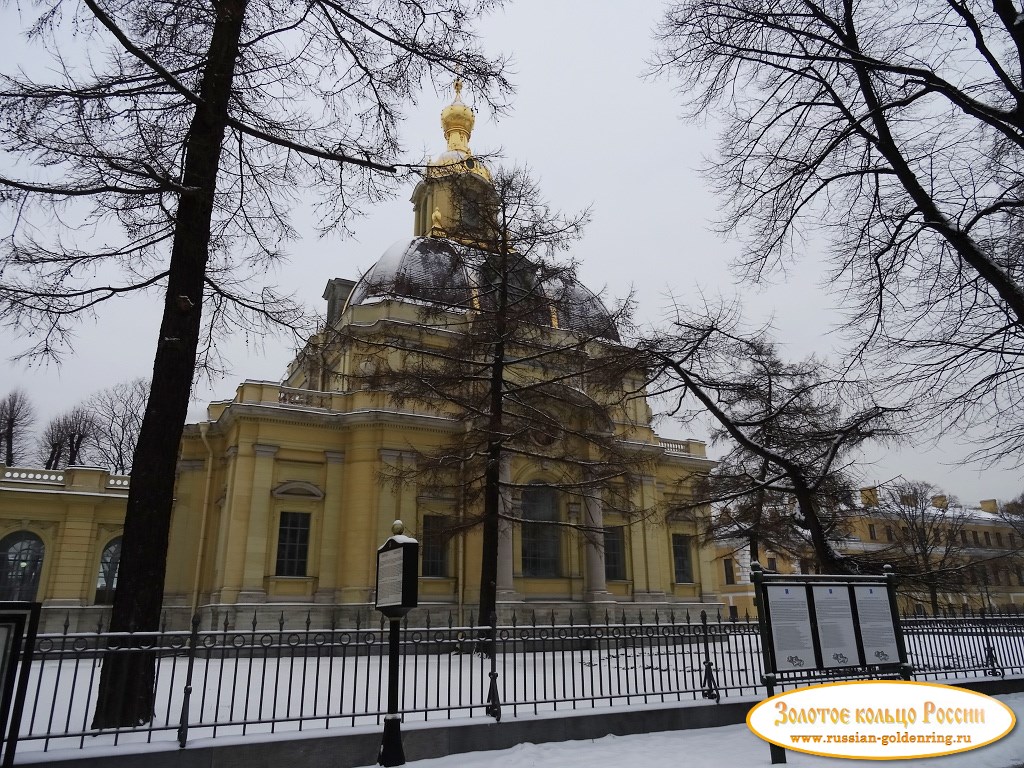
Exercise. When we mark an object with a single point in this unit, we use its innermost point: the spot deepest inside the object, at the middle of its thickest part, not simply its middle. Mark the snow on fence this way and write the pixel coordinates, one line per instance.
(258, 680)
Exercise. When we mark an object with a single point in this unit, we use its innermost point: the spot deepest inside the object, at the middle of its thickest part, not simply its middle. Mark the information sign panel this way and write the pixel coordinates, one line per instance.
(837, 636)
(398, 567)
(791, 626)
(877, 633)
(389, 578)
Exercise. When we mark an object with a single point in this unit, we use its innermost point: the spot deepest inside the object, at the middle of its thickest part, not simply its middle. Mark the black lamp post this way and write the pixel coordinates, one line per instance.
(397, 592)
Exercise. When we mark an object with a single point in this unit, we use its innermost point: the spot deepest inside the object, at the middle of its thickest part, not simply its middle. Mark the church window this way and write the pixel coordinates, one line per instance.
(615, 553)
(542, 541)
(22, 553)
(106, 580)
(433, 547)
(730, 573)
(293, 544)
(682, 560)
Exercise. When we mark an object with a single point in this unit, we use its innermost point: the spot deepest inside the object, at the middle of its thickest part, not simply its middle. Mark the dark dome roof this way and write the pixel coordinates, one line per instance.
(438, 271)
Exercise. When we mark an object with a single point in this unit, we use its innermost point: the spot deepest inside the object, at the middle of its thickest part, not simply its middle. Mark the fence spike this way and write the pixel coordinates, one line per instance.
(514, 620)
(533, 617)
(687, 615)
(308, 621)
(672, 615)
(67, 622)
(657, 620)
(253, 620)
(552, 617)
(227, 623)
(280, 623)
(570, 618)
(428, 620)
(451, 619)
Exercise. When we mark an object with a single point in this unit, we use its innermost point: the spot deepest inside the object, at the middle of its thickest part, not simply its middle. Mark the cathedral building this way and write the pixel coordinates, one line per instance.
(285, 492)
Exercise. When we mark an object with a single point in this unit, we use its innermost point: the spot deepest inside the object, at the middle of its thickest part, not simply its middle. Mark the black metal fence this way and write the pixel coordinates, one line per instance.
(236, 681)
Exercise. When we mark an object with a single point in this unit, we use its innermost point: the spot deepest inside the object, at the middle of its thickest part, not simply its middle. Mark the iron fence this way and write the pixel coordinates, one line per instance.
(236, 681)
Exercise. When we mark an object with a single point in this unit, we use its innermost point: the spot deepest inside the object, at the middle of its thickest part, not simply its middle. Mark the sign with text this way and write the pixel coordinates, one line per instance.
(876, 625)
(837, 635)
(791, 626)
(820, 623)
(397, 576)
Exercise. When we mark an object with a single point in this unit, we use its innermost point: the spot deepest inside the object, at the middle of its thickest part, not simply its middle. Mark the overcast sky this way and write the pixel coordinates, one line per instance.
(595, 132)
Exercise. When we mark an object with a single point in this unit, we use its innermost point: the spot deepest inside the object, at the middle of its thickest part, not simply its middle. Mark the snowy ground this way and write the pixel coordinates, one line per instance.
(733, 746)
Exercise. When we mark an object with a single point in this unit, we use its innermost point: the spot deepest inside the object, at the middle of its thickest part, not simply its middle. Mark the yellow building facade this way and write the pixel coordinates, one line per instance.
(980, 548)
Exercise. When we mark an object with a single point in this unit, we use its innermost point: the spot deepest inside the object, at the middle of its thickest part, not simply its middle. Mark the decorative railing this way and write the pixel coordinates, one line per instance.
(33, 475)
(242, 680)
(678, 447)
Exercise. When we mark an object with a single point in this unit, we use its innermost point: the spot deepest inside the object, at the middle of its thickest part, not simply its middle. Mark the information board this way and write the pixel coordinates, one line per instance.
(837, 635)
(390, 578)
(791, 626)
(876, 629)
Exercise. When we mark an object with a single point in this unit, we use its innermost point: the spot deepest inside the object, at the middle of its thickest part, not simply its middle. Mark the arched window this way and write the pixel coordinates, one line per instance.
(106, 581)
(542, 541)
(22, 553)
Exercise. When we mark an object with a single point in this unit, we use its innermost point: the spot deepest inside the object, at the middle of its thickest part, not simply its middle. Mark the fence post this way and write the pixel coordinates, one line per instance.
(193, 641)
(990, 653)
(708, 682)
(493, 708)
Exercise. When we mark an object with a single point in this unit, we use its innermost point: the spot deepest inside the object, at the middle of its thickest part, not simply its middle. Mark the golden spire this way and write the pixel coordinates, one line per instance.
(457, 121)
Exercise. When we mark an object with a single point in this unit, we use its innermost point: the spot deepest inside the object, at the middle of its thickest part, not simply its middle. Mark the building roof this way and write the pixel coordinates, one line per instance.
(442, 272)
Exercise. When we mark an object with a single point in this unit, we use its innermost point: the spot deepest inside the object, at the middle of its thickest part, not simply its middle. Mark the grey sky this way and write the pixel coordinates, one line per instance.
(595, 133)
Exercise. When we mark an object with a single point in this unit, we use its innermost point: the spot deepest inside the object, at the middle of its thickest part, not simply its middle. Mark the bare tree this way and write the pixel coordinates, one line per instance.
(517, 356)
(896, 133)
(67, 439)
(191, 128)
(776, 404)
(794, 438)
(16, 418)
(923, 539)
(117, 415)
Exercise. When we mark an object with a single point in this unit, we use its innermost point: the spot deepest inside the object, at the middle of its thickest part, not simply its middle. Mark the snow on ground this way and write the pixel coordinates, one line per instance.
(732, 746)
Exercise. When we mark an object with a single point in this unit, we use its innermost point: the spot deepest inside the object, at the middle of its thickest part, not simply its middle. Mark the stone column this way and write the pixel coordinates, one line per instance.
(594, 589)
(505, 585)
(330, 537)
(258, 538)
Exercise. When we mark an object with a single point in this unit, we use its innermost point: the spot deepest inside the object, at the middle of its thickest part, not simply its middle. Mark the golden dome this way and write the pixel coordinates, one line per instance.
(457, 121)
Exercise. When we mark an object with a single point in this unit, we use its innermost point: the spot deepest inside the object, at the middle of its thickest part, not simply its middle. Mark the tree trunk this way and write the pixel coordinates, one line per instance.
(492, 473)
(126, 691)
(828, 558)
